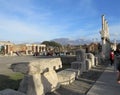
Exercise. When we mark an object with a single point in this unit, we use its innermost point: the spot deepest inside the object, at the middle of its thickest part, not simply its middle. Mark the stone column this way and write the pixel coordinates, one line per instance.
(26, 50)
(91, 57)
(4, 49)
(11, 50)
(80, 63)
(80, 55)
(44, 49)
(103, 25)
(34, 48)
(38, 48)
(7, 49)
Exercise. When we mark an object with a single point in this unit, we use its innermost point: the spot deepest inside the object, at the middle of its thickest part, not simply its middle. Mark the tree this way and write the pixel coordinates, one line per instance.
(46, 43)
(52, 43)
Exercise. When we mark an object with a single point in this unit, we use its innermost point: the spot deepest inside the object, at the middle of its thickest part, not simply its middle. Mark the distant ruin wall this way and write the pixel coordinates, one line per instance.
(67, 59)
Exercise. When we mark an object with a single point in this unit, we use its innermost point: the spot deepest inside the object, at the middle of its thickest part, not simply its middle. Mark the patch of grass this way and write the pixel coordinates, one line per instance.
(16, 76)
(10, 81)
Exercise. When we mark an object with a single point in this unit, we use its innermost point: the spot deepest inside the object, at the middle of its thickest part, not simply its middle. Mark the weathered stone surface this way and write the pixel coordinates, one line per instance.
(77, 72)
(83, 68)
(35, 86)
(50, 81)
(66, 77)
(40, 76)
(79, 65)
(23, 87)
(41, 66)
(76, 65)
(67, 59)
(88, 64)
(10, 92)
(91, 57)
(80, 55)
(96, 61)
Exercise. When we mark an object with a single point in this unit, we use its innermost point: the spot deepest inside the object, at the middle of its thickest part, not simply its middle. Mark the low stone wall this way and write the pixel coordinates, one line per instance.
(66, 77)
(67, 59)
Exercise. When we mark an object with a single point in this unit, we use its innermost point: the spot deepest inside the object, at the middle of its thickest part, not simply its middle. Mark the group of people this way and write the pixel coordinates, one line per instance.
(112, 58)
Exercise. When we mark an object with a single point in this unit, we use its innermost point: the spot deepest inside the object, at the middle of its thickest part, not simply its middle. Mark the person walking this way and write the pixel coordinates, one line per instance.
(112, 57)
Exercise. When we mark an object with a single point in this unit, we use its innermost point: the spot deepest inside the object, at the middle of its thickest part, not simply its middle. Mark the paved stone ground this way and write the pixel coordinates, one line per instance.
(6, 61)
(106, 84)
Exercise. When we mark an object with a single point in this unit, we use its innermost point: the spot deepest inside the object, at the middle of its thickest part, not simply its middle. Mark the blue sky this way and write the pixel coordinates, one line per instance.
(40, 20)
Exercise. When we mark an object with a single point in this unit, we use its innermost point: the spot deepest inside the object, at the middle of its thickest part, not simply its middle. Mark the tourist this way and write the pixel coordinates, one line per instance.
(117, 52)
(118, 72)
(111, 57)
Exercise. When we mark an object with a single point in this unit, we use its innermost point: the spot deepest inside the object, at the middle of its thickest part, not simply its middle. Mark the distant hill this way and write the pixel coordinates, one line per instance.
(65, 41)
(117, 41)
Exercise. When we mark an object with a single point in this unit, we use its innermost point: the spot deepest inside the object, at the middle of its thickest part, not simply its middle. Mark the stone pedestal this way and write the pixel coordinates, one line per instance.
(80, 63)
(40, 76)
(77, 72)
(96, 61)
(76, 65)
(80, 55)
(91, 57)
(88, 64)
(83, 68)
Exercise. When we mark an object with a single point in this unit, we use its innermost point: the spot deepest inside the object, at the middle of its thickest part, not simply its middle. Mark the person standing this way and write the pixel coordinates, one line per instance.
(118, 73)
(112, 57)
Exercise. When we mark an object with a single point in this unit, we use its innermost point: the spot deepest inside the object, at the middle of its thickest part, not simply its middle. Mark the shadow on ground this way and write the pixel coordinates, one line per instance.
(64, 91)
(83, 84)
(7, 82)
(79, 87)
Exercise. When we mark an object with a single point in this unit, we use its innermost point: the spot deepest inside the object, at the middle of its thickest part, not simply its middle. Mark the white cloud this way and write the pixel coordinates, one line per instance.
(22, 31)
(24, 21)
(23, 9)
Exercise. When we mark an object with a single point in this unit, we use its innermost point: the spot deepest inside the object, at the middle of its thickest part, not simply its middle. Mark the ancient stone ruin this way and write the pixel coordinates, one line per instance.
(40, 76)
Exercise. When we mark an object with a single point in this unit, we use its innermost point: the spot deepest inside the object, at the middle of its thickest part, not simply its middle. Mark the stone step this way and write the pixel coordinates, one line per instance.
(66, 77)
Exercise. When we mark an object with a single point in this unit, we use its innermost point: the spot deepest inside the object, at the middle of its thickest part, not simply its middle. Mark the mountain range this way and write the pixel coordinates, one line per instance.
(65, 41)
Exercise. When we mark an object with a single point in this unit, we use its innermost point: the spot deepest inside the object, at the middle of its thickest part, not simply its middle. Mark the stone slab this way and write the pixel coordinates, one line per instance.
(91, 57)
(76, 65)
(77, 72)
(34, 66)
(66, 77)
